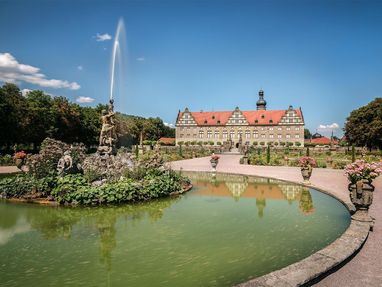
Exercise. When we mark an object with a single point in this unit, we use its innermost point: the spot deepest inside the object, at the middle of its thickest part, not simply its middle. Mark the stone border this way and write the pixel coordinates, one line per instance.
(320, 263)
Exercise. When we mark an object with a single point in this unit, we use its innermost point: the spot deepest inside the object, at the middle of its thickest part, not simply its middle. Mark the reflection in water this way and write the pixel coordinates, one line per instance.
(58, 222)
(193, 240)
(238, 186)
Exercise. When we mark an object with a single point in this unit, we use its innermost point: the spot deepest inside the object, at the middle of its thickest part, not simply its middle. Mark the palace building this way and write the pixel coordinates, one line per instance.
(262, 126)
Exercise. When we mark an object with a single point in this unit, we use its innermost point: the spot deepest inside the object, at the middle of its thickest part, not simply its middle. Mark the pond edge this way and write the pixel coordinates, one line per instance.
(320, 263)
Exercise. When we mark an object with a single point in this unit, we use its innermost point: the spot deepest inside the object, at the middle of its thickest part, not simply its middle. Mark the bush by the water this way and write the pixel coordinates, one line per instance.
(76, 190)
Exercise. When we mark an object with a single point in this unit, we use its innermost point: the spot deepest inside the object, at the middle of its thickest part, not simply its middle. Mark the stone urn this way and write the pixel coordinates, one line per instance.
(306, 172)
(19, 162)
(361, 195)
(214, 164)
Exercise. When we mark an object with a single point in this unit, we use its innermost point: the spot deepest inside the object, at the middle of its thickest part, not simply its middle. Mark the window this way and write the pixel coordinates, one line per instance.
(279, 128)
(271, 128)
(217, 134)
(181, 135)
(288, 128)
(297, 136)
(288, 136)
(201, 134)
(263, 136)
(279, 136)
(247, 134)
(255, 134)
(209, 134)
(271, 136)
(232, 134)
(225, 134)
(297, 128)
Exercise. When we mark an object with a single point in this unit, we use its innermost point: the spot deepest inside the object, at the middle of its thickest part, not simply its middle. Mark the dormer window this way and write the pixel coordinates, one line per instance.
(205, 121)
(256, 121)
(262, 116)
(218, 121)
(270, 121)
(213, 117)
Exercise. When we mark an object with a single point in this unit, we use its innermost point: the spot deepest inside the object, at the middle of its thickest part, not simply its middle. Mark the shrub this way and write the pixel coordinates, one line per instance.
(297, 144)
(154, 184)
(276, 143)
(6, 160)
(211, 142)
(255, 143)
(219, 143)
(180, 142)
(282, 143)
(187, 143)
(262, 143)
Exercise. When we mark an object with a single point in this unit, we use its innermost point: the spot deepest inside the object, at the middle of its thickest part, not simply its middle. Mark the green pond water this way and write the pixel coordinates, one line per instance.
(226, 230)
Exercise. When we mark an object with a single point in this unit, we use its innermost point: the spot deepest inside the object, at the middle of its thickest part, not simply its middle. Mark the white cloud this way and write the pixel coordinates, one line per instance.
(169, 125)
(12, 71)
(330, 127)
(102, 37)
(84, 100)
(80, 68)
(141, 59)
(25, 92)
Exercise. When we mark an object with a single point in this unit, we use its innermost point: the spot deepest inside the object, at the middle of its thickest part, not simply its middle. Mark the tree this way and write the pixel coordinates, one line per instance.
(12, 110)
(364, 125)
(40, 118)
(307, 134)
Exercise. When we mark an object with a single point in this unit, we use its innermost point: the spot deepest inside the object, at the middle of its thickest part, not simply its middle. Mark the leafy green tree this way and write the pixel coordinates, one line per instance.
(364, 125)
(40, 118)
(307, 134)
(12, 120)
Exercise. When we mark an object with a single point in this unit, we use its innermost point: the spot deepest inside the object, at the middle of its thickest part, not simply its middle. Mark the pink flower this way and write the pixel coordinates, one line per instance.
(306, 161)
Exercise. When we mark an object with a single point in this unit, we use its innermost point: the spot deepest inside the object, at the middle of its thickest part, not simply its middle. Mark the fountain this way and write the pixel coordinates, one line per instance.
(108, 136)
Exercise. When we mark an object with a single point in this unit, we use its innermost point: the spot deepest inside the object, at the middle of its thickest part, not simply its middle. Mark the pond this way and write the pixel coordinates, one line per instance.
(226, 230)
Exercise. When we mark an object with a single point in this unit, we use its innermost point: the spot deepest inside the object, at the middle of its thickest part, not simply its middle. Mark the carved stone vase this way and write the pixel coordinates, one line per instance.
(306, 172)
(361, 195)
(19, 162)
(214, 163)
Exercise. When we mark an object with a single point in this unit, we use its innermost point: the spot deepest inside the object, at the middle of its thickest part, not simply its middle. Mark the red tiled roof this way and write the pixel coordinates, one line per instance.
(167, 140)
(258, 117)
(212, 118)
(322, 141)
(264, 117)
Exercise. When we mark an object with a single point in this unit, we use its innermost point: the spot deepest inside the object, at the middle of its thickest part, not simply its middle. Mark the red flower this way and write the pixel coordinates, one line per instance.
(20, 155)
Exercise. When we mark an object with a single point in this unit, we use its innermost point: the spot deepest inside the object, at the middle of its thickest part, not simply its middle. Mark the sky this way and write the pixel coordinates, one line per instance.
(322, 56)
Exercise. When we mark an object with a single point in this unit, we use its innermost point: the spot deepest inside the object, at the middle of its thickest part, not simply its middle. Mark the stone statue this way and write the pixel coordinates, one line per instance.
(65, 164)
(108, 136)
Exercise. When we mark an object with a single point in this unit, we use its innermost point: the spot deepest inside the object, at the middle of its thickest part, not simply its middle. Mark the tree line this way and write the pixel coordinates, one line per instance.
(363, 127)
(26, 120)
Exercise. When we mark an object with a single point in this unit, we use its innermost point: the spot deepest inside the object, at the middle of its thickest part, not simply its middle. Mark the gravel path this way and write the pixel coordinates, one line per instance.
(365, 269)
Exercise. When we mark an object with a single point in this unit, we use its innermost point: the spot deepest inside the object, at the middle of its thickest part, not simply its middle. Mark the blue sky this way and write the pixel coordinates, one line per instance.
(324, 56)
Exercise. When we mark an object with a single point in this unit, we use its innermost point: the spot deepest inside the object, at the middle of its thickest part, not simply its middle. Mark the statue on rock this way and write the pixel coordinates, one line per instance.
(108, 135)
